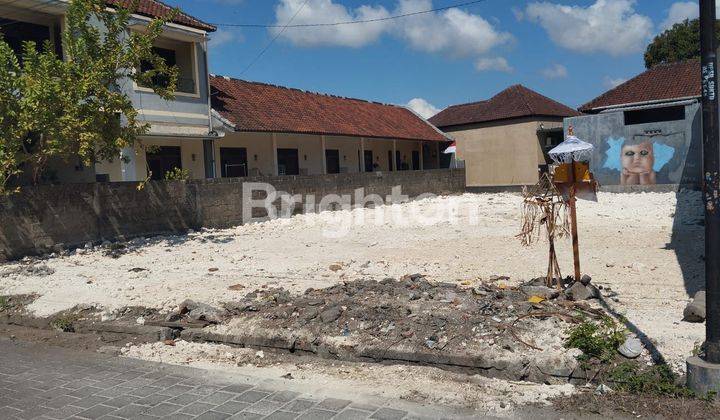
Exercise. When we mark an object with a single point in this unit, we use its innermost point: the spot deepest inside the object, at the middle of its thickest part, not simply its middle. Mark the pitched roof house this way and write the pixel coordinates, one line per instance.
(504, 139)
(273, 130)
(514, 102)
(662, 83)
(646, 131)
(260, 107)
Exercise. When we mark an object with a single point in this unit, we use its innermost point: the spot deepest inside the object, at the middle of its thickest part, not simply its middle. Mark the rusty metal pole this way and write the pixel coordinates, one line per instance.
(573, 223)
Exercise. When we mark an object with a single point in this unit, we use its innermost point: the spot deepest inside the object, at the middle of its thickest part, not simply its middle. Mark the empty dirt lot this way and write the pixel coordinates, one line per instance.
(646, 247)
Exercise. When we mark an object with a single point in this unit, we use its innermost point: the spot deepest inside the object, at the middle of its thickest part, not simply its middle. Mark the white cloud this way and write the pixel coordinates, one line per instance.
(610, 82)
(493, 64)
(422, 107)
(222, 37)
(452, 32)
(555, 71)
(325, 11)
(679, 12)
(609, 26)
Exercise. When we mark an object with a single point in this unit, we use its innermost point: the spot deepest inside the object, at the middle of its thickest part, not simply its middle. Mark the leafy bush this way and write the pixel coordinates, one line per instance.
(177, 174)
(599, 339)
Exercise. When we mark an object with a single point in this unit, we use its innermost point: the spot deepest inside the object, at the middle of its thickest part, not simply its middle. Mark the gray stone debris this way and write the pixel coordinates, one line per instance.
(37, 270)
(330, 314)
(602, 389)
(695, 310)
(579, 291)
(631, 348)
(585, 279)
(541, 291)
(201, 312)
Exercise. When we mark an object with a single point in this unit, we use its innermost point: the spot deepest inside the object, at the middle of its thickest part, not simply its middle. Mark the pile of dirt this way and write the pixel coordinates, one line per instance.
(514, 332)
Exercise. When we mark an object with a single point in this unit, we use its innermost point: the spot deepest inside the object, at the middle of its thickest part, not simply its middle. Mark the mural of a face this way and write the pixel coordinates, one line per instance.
(637, 164)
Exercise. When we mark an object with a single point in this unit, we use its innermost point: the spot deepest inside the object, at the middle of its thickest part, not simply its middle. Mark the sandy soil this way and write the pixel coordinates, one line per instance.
(415, 383)
(646, 247)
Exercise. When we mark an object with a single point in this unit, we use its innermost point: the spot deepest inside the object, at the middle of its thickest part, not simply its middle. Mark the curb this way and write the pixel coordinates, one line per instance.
(320, 347)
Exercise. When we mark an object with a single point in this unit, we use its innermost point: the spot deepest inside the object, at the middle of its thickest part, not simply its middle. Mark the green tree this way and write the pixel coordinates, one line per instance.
(76, 106)
(679, 43)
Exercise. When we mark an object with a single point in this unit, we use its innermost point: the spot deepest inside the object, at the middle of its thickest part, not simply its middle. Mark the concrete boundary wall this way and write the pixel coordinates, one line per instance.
(40, 219)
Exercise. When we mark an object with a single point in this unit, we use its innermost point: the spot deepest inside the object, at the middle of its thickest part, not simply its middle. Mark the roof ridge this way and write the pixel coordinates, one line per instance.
(467, 104)
(523, 91)
(545, 97)
(304, 91)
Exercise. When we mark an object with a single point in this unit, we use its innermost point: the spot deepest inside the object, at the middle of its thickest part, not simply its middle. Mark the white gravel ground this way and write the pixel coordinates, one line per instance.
(644, 246)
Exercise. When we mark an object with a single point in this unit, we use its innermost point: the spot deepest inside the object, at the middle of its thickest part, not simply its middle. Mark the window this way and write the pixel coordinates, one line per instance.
(178, 54)
(233, 162)
(415, 160)
(332, 161)
(369, 167)
(168, 56)
(655, 115)
(288, 163)
(15, 33)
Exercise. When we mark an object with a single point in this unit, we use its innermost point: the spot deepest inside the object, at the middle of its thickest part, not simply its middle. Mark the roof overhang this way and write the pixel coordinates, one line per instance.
(660, 102)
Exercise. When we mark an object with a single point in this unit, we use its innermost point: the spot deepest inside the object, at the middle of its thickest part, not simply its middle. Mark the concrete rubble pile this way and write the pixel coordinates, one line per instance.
(513, 332)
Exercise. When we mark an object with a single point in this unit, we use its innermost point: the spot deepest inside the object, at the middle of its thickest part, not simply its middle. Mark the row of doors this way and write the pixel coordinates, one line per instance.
(233, 161)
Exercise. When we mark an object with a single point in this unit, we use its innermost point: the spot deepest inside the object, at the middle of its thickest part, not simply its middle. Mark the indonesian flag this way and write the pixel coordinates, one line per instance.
(451, 149)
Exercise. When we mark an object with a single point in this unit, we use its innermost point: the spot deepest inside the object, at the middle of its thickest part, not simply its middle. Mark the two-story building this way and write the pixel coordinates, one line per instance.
(251, 129)
(181, 130)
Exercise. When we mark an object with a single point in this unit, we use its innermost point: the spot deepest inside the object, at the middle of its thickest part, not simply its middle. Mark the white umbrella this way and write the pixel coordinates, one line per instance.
(451, 149)
(571, 149)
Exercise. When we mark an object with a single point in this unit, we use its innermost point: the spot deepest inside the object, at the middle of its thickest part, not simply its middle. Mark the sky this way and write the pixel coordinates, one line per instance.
(569, 50)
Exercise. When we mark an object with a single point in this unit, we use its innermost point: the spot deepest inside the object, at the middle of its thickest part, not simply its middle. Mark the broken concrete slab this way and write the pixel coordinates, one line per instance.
(491, 363)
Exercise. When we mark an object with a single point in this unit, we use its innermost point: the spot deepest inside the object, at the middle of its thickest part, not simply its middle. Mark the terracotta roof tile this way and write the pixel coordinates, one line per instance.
(158, 9)
(253, 106)
(514, 102)
(662, 82)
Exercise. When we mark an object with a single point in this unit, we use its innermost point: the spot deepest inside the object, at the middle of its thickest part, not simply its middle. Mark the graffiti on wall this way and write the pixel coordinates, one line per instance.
(637, 154)
(638, 160)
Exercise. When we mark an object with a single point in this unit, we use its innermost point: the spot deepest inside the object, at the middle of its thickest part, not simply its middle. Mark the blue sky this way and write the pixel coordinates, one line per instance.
(571, 51)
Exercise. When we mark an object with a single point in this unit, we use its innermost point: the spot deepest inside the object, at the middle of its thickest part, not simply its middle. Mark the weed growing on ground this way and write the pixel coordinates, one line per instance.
(64, 322)
(654, 380)
(4, 303)
(596, 339)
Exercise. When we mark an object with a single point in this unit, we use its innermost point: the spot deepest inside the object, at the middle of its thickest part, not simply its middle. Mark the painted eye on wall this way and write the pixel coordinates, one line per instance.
(629, 153)
(644, 153)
